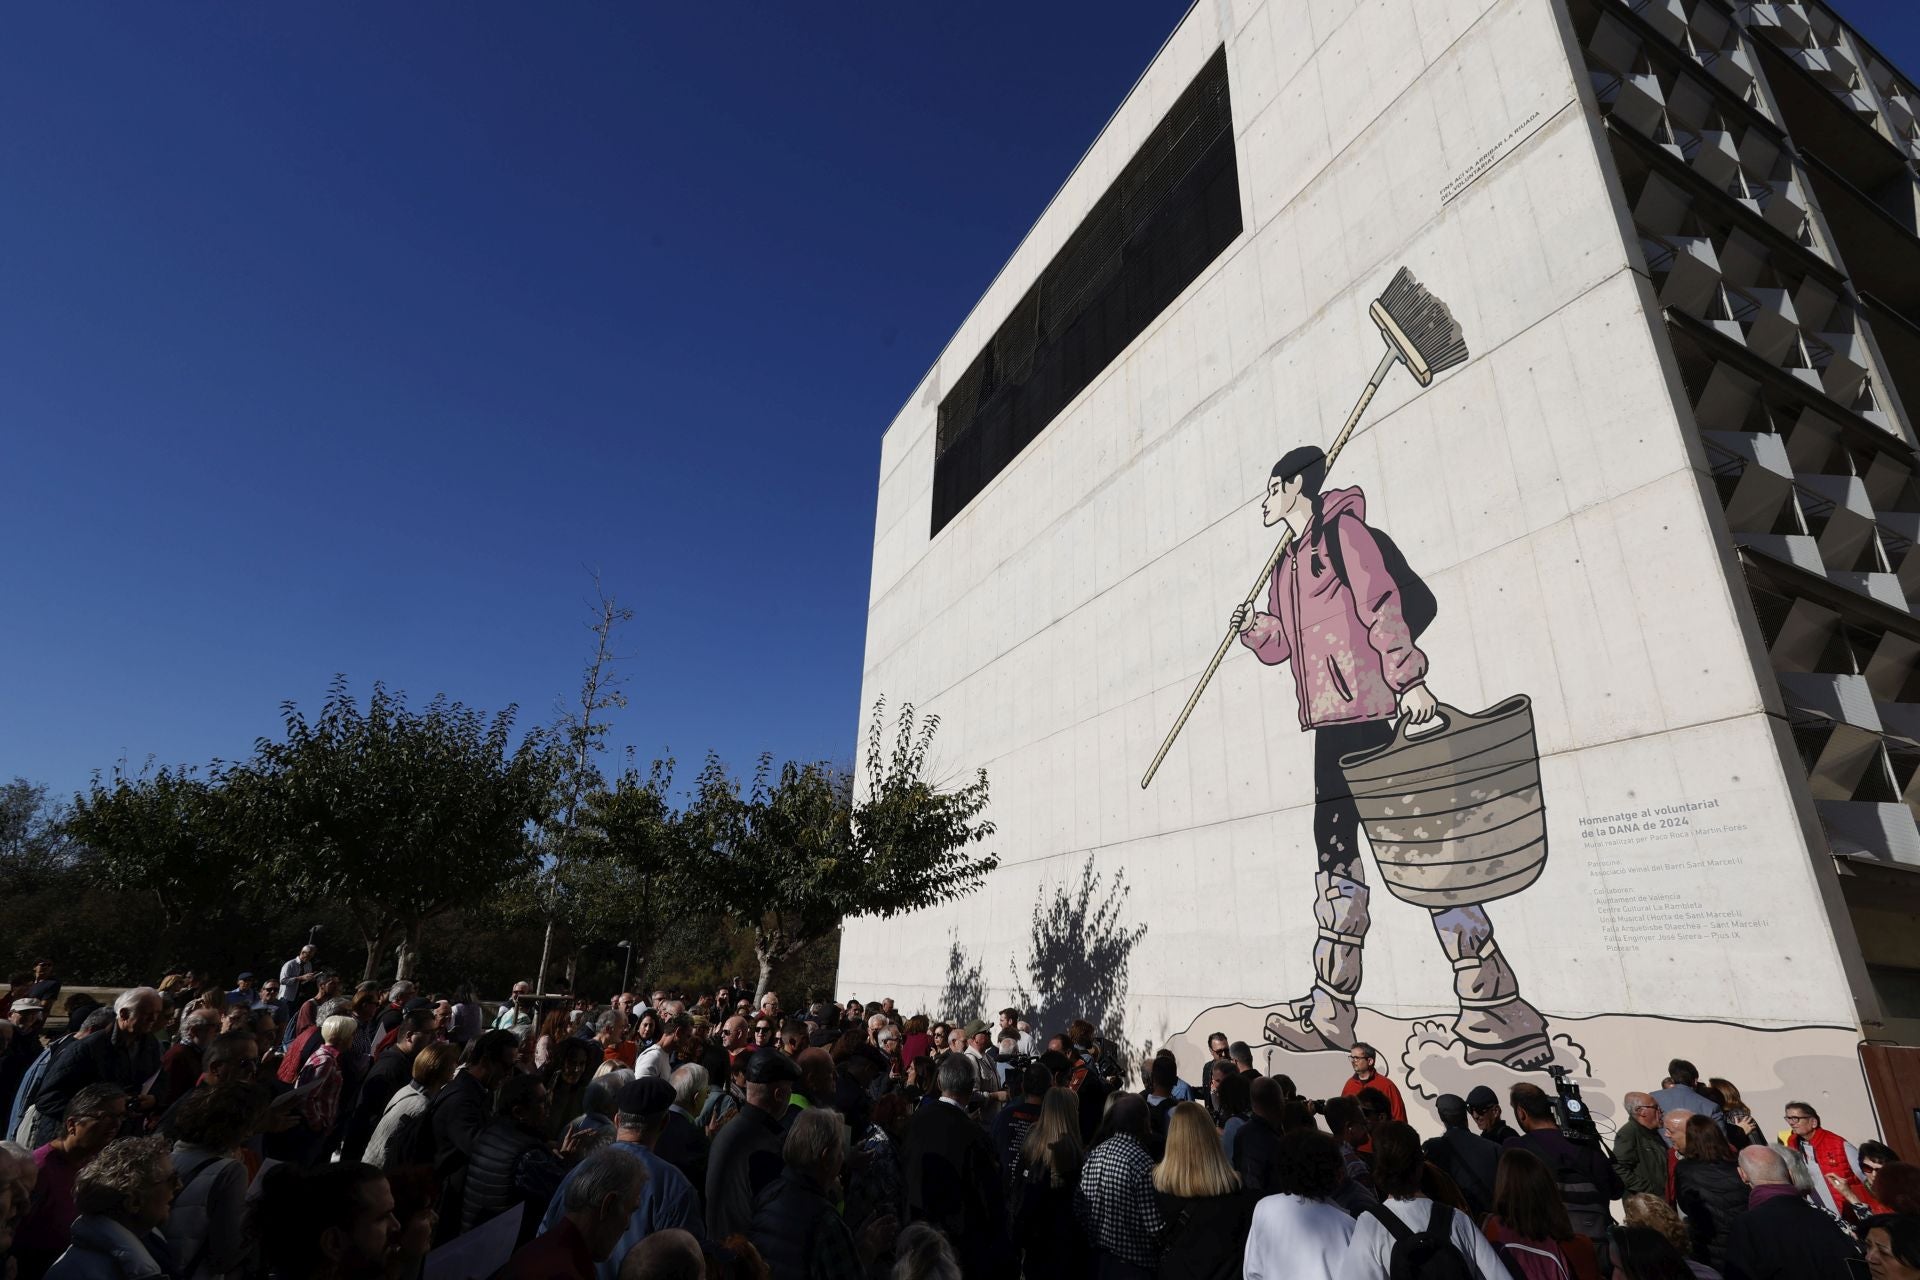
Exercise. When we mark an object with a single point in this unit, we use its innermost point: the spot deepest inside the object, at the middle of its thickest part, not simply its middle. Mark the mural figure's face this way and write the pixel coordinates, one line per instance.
(1283, 496)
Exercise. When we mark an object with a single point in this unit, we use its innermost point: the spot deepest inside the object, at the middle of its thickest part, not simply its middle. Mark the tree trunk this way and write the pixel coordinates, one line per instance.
(764, 955)
(409, 952)
(376, 944)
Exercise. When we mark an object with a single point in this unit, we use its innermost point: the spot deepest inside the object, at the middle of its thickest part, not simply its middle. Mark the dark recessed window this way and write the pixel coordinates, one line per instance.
(1171, 211)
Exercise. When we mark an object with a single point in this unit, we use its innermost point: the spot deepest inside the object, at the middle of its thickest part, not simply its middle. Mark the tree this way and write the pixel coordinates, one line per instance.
(797, 853)
(34, 846)
(582, 735)
(158, 834)
(400, 815)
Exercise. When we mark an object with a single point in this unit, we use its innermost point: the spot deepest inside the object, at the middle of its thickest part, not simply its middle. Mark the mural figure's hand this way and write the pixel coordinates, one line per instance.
(1243, 617)
(1418, 705)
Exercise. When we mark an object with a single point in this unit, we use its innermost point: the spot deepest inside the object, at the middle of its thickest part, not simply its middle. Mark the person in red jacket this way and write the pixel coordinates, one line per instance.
(1837, 1178)
(1363, 1057)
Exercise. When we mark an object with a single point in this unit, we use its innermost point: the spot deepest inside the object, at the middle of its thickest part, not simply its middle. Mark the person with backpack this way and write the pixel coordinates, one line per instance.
(1407, 1236)
(1344, 611)
(1529, 1227)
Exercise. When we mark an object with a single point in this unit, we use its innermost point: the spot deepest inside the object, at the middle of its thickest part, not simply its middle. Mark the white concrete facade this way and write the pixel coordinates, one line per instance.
(1551, 491)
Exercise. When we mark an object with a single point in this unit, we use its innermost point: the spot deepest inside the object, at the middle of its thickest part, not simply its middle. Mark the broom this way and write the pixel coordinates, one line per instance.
(1420, 333)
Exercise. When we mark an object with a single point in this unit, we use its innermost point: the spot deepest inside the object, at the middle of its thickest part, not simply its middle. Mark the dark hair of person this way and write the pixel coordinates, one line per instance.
(1240, 1052)
(1536, 1105)
(1080, 1032)
(1373, 1101)
(1903, 1235)
(1397, 1159)
(1236, 1094)
(1806, 1107)
(221, 1117)
(1526, 1198)
(1263, 1096)
(1309, 462)
(1897, 1186)
(850, 1042)
(1164, 1072)
(1641, 1253)
(1295, 1114)
(1876, 1151)
(570, 1049)
(1284, 1083)
(555, 1025)
(1683, 1072)
(1036, 1080)
(1340, 1113)
(518, 1091)
(492, 1046)
(1711, 1094)
(421, 1020)
(1307, 1162)
(1126, 1115)
(299, 1202)
(1706, 1142)
(230, 1046)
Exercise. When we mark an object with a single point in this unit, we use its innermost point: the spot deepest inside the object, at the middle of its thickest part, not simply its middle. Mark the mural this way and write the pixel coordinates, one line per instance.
(1450, 802)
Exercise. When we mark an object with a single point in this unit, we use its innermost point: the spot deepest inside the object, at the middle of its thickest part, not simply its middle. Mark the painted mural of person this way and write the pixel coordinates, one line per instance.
(1334, 614)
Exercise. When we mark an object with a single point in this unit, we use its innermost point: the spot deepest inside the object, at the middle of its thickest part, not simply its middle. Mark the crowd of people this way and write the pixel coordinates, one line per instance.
(304, 1128)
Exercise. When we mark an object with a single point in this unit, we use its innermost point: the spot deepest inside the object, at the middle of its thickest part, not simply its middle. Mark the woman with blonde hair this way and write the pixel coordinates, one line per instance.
(1207, 1212)
(322, 1078)
(1046, 1173)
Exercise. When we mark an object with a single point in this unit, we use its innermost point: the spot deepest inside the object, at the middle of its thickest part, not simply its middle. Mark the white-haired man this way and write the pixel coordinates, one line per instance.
(128, 1055)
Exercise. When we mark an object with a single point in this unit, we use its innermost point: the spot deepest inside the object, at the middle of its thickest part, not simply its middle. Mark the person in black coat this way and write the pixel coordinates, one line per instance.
(1045, 1176)
(511, 1163)
(1207, 1212)
(1258, 1141)
(1466, 1157)
(795, 1226)
(1783, 1235)
(126, 1055)
(1710, 1193)
(953, 1180)
(388, 1075)
(683, 1143)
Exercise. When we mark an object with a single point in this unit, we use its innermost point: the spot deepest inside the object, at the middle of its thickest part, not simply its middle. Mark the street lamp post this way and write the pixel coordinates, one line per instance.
(626, 970)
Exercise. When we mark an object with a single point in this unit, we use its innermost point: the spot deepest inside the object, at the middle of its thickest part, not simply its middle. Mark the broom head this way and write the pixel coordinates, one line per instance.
(1418, 326)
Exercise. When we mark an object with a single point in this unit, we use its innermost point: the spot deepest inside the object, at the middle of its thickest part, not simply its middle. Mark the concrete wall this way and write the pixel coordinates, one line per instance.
(1543, 490)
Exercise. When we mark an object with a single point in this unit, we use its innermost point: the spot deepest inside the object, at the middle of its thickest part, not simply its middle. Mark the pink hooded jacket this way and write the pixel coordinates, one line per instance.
(1351, 650)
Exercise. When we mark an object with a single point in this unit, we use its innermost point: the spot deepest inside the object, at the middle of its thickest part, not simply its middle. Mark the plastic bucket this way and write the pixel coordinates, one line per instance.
(1455, 814)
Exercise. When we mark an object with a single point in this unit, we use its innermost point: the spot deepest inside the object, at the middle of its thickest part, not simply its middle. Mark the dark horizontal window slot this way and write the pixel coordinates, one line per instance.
(1171, 211)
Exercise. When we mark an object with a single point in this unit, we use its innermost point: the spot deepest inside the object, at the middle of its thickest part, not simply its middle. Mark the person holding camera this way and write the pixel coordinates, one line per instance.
(1585, 1176)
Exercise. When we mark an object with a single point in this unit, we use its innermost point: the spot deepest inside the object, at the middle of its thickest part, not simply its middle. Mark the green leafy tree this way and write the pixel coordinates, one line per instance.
(399, 815)
(160, 835)
(797, 853)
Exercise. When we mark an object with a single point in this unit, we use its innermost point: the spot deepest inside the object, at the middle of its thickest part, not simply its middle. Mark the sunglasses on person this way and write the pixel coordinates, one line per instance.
(762, 1029)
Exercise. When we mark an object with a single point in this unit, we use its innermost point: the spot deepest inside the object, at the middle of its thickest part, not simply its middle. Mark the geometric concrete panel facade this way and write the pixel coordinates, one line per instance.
(1660, 502)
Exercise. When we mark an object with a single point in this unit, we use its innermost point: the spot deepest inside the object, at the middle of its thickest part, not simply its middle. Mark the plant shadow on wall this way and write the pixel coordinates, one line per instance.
(965, 993)
(1078, 955)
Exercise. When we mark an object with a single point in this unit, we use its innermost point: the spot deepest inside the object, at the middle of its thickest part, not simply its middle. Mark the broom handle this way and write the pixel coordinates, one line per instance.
(1266, 571)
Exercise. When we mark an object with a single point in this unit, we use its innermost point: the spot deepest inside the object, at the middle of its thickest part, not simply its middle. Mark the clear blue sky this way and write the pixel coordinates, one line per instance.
(346, 336)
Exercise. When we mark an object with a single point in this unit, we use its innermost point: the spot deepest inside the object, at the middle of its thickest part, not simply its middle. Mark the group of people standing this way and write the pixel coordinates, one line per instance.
(303, 1129)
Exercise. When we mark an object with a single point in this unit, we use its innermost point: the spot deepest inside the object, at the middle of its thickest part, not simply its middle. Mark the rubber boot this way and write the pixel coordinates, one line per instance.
(1494, 1024)
(1324, 1017)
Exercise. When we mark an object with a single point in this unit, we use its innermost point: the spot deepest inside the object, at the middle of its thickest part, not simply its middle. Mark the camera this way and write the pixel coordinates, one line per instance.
(1575, 1120)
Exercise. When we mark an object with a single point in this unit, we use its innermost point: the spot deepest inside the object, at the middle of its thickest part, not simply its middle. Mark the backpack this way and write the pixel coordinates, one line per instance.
(1417, 602)
(1423, 1255)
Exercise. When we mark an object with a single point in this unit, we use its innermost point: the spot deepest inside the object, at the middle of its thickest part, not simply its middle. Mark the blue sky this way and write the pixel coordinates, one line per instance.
(348, 337)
